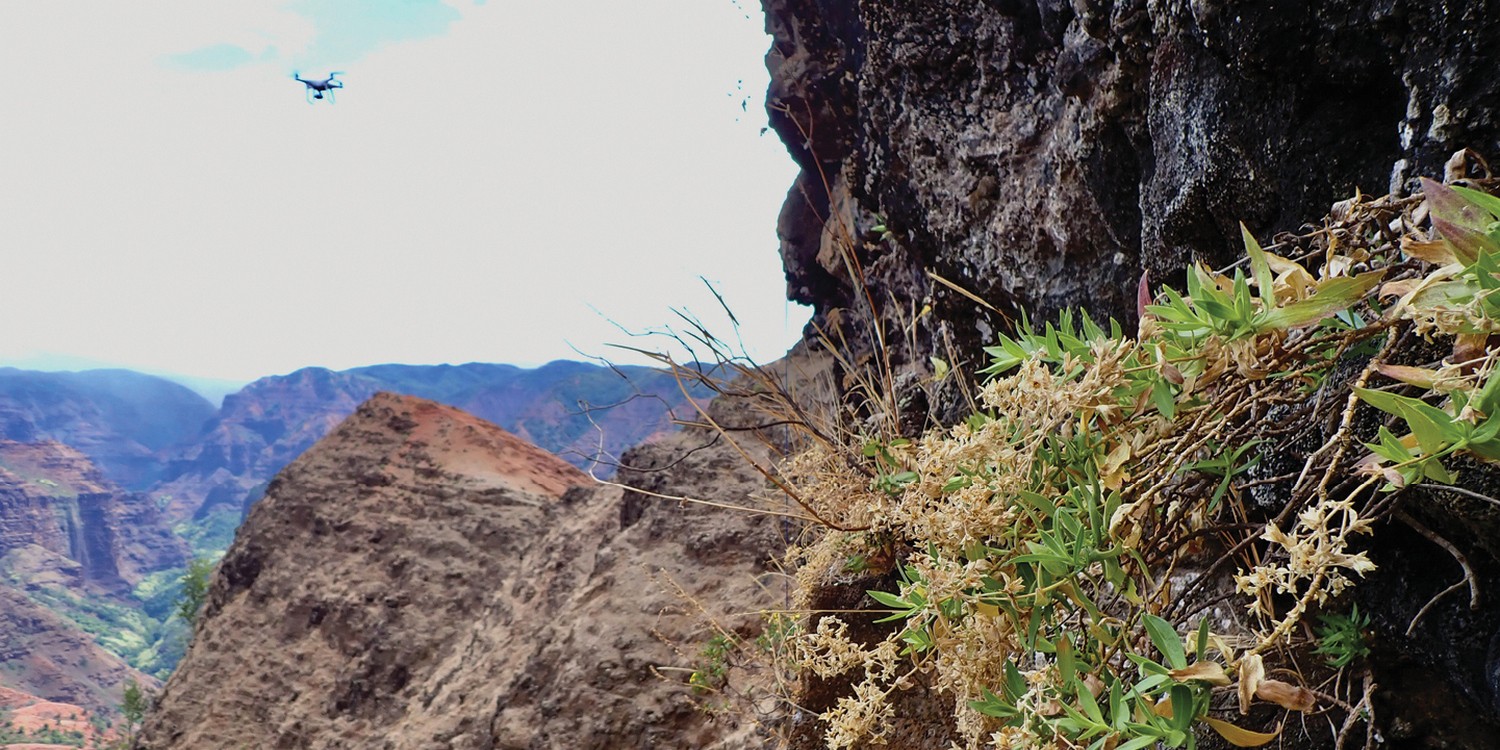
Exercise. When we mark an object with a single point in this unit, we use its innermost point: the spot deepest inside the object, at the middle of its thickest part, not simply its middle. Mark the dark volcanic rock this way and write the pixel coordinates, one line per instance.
(1042, 154)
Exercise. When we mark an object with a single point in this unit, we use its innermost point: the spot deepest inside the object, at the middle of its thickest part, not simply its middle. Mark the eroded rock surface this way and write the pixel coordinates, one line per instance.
(1042, 153)
(53, 498)
(423, 579)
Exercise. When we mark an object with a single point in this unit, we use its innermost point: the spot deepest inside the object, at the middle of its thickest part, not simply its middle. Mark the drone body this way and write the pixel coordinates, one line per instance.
(318, 87)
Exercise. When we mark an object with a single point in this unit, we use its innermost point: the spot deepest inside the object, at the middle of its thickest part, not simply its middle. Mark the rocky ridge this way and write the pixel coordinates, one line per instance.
(264, 426)
(423, 579)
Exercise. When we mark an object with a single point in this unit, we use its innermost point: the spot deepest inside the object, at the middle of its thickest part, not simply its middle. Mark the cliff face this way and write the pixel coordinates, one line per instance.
(53, 498)
(1042, 154)
(423, 579)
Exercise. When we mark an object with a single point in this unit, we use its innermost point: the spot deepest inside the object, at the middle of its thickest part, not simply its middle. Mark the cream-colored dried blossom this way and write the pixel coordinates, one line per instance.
(970, 661)
(863, 717)
(830, 486)
(1316, 558)
(828, 651)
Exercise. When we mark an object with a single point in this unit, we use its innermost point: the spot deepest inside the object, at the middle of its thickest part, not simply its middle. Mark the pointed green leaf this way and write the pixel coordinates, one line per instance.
(1488, 202)
(1259, 268)
(1166, 640)
(1333, 296)
(1451, 207)
(891, 600)
(1138, 743)
(1468, 244)
(1182, 707)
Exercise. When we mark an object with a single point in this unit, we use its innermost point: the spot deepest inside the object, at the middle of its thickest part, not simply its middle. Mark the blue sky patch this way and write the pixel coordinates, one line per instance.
(350, 29)
(213, 58)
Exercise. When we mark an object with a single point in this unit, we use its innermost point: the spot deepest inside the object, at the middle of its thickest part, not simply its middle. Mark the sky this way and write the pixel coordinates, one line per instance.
(503, 181)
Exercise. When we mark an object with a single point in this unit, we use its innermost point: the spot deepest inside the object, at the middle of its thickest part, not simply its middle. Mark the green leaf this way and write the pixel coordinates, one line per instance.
(1260, 269)
(889, 600)
(1333, 296)
(1450, 206)
(1182, 707)
(1434, 428)
(1067, 666)
(1488, 202)
(1202, 639)
(1139, 742)
(1090, 706)
(1469, 245)
(1015, 682)
(1166, 640)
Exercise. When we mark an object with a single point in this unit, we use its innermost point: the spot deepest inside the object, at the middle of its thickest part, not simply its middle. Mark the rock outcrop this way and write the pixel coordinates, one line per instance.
(423, 579)
(991, 157)
(1041, 154)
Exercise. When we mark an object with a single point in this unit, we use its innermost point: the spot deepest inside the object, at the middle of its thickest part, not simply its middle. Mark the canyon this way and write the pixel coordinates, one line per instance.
(417, 578)
(95, 533)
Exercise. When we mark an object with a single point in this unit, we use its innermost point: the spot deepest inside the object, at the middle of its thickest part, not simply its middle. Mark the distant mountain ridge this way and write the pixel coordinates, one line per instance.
(584, 413)
(76, 547)
(123, 420)
(150, 434)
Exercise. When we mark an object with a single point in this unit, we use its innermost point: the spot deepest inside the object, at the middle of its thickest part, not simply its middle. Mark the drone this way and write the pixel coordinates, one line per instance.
(317, 87)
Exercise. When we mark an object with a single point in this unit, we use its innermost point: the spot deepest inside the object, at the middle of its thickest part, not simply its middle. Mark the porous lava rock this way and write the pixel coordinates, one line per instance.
(1042, 154)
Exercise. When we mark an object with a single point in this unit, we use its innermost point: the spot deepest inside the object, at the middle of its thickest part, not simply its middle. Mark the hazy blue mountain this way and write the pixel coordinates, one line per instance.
(124, 420)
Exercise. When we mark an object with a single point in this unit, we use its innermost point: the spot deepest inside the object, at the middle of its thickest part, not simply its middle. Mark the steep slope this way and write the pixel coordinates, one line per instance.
(421, 579)
(54, 499)
(271, 421)
(72, 548)
(123, 420)
(45, 655)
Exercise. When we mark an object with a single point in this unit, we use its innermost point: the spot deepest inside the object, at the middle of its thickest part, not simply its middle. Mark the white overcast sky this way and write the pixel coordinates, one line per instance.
(498, 180)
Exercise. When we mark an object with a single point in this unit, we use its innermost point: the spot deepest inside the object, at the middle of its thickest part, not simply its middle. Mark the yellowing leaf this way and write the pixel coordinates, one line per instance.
(1433, 251)
(1252, 670)
(1210, 672)
(1418, 376)
(1163, 707)
(1111, 473)
(1239, 736)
